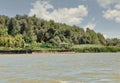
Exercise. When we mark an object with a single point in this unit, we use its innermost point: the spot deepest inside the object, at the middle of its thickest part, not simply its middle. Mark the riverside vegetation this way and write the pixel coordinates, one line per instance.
(25, 32)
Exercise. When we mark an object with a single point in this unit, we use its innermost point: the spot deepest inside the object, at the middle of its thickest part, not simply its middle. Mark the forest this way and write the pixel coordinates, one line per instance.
(30, 32)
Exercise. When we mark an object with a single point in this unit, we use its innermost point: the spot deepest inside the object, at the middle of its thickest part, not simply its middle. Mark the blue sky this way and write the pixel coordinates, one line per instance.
(100, 15)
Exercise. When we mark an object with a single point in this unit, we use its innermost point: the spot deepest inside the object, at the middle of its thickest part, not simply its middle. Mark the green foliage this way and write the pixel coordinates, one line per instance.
(25, 31)
(7, 41)
(19, 42)
(95, 48)
(93, 35)
(10, 41)
(55, 41)
(113, 42)
(3, 30)
(85, 39)
(13, 27)
(4, 20)
(101, 39)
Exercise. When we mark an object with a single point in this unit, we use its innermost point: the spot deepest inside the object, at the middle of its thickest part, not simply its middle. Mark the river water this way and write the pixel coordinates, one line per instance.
(60, 68)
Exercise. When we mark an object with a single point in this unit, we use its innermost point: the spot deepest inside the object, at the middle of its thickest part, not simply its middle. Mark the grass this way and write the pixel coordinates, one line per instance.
(86, 45)
(94, 48)
(83, 48)
(34, 46)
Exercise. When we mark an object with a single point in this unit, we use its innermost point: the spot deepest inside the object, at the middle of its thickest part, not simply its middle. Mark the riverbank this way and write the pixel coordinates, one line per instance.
(34, 51)
(72, 49)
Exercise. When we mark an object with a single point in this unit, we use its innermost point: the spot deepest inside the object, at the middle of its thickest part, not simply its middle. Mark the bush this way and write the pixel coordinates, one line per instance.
(88, 49)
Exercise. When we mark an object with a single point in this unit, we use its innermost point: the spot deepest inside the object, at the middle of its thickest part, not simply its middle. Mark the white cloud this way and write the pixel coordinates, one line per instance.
(117, 6)
(112, 9)
(47, 11)
(112, 15)
(90, 26)
(107, 3)
(105, 36)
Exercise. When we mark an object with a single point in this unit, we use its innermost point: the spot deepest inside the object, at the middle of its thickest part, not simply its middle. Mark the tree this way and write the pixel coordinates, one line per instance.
(93, 35)
(19, 42)
(85, 39)
(101, 38)
(20, 30)
(3, 30)
(4, 20)
(7, 41)
(55, 41)
(13, 27)
(113, 42)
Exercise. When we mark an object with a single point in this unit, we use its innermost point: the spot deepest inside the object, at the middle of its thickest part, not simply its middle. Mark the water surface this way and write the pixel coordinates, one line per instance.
(60, 68)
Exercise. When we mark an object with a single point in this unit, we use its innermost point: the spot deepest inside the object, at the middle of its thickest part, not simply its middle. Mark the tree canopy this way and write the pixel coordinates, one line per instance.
(21, 30)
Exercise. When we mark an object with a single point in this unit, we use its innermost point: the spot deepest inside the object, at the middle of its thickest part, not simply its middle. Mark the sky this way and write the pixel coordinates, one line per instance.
(100, 15)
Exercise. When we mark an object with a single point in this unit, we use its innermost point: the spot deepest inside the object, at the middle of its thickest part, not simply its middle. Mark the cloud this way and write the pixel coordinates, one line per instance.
(90, 26)
(105, 36)
(117, 6)
(107, 3)
(112, 15)
(71, 16)
(111, 9)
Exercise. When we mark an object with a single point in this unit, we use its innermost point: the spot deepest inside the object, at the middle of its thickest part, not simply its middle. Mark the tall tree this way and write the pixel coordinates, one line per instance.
(13, 27)
(93, 35)
(101, 38)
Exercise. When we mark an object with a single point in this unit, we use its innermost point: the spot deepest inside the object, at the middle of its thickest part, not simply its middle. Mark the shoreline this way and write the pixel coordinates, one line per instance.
(46, 52)
(35, 51)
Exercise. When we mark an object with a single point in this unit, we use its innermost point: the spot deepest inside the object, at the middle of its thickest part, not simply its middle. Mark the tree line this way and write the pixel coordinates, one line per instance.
(21, 30)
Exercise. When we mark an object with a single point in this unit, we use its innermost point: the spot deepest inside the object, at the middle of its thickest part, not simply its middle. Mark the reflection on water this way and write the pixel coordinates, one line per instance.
(60, 68)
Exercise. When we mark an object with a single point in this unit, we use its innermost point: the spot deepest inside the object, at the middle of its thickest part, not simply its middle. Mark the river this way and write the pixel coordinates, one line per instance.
(60, 68)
